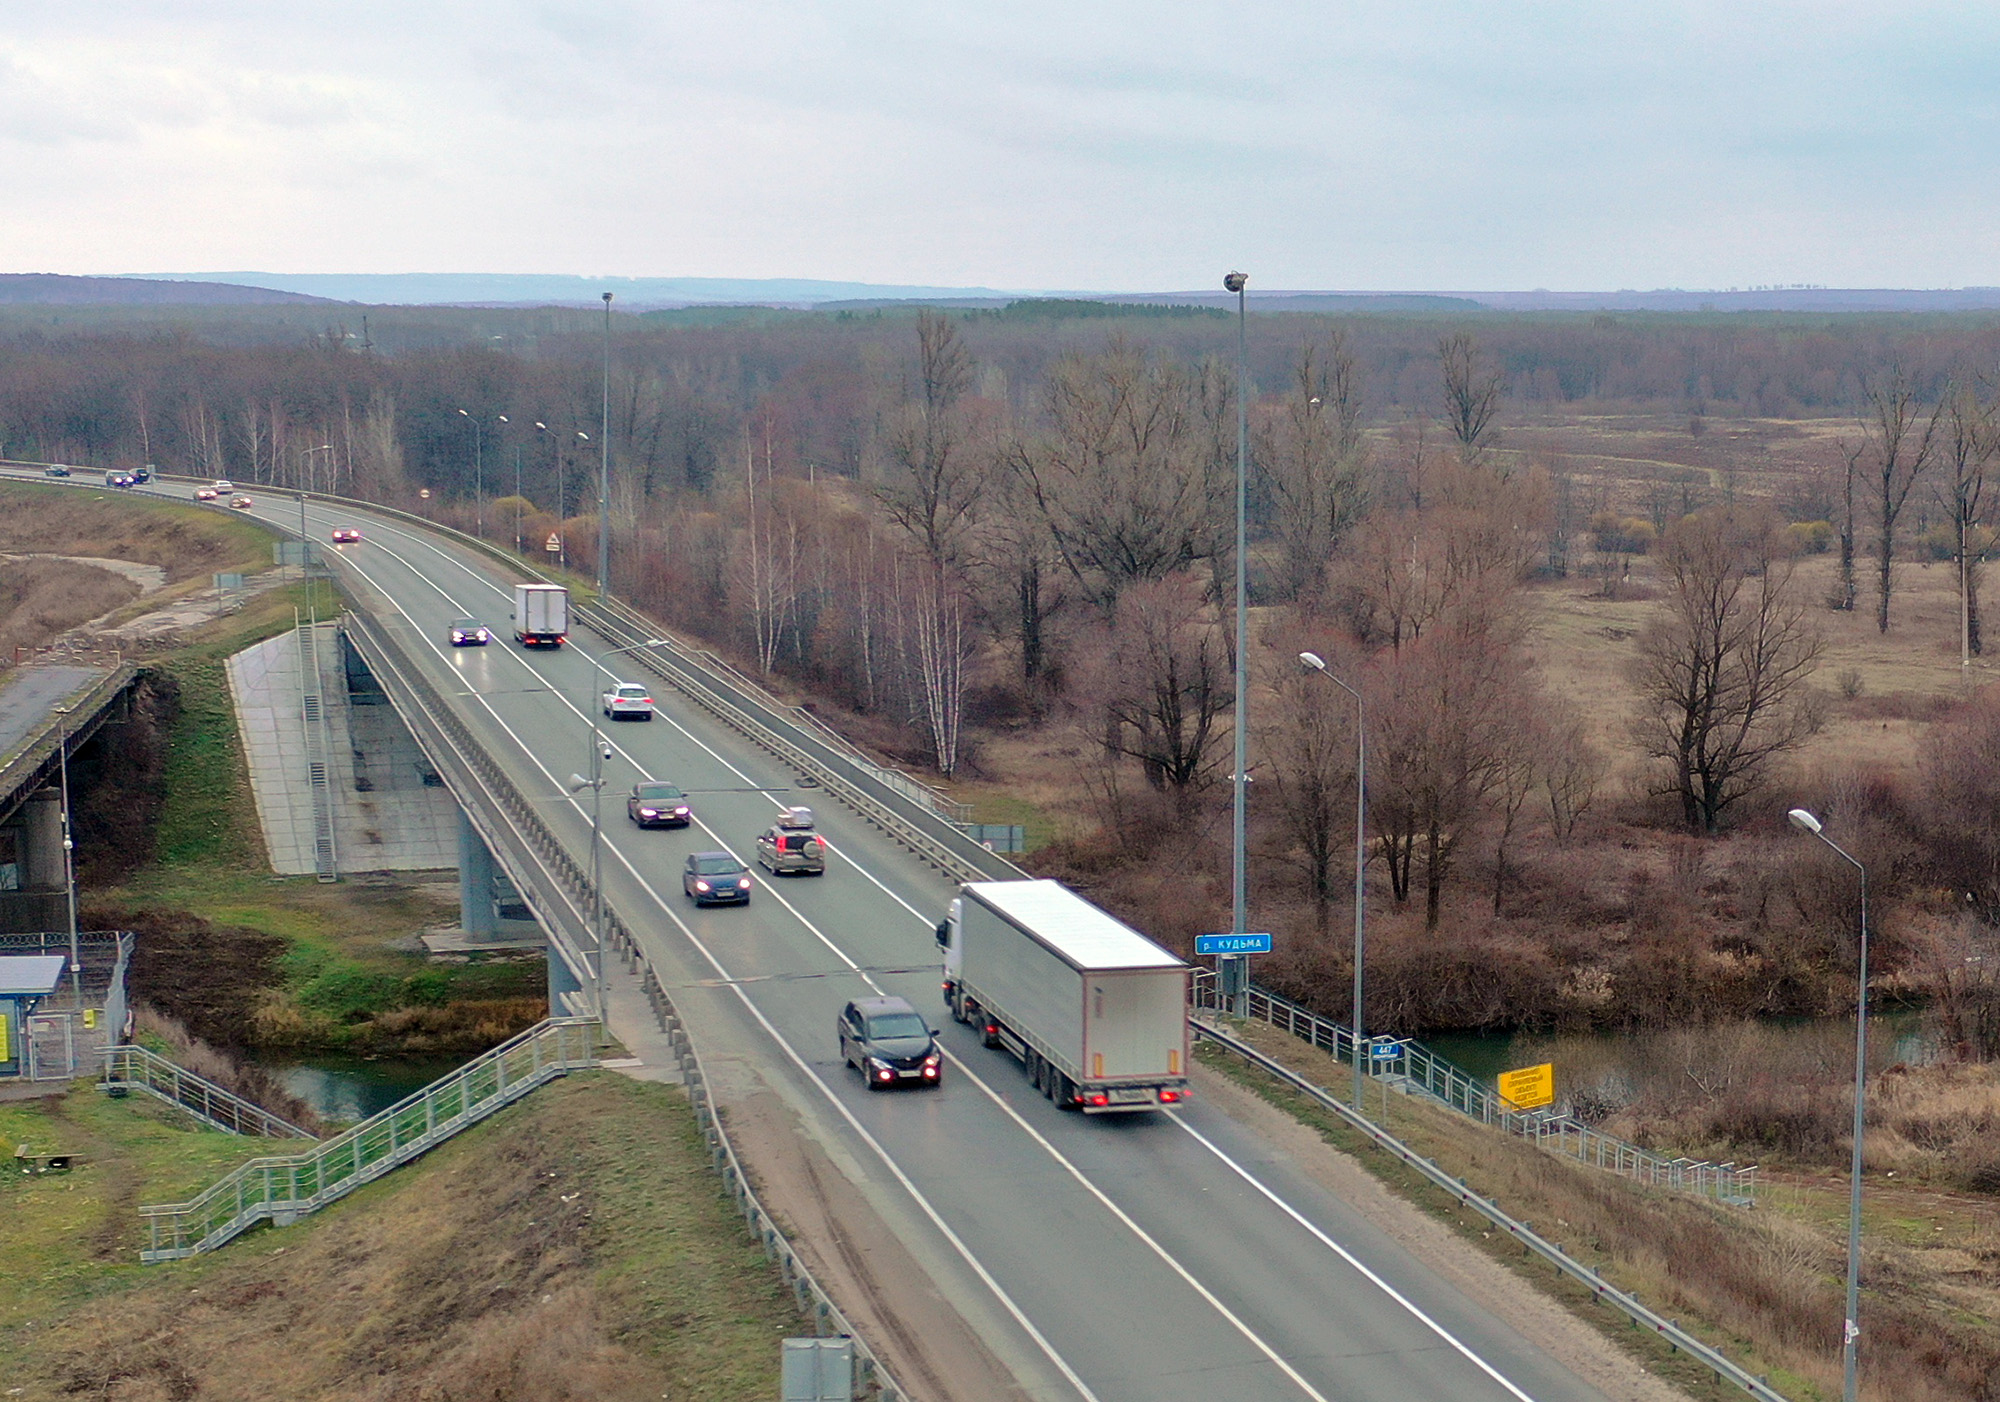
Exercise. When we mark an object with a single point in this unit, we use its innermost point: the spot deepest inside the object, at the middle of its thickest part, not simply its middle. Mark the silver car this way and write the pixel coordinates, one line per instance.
(782, 849)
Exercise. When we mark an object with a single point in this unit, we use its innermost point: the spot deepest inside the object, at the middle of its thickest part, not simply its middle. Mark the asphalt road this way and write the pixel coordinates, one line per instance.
(30, 697)
(1120, 1258)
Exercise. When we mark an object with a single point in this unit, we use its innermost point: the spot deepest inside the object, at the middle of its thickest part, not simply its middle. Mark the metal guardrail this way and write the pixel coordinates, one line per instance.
(444, 728)
(281, 1189)
(930, 836)
(1531, 1241)
(1424, 1071)
(127, 1067)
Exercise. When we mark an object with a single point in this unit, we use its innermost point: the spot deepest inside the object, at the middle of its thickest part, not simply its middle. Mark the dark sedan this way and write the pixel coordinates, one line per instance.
(716, 878)
(658, 806)
(890, 1043)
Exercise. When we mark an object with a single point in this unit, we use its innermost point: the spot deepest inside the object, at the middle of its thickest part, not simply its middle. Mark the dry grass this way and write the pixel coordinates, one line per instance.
(185, 541)
(41, 599)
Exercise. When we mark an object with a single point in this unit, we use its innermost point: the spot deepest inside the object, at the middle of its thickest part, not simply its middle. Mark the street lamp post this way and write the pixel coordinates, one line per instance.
(1851, 1331)
(1314, 662)
(305, 541)
(599, 752)
(1236, 971)
(69, 867)
(517, 485)
(478, 470)
(604, 470)
(555, 440)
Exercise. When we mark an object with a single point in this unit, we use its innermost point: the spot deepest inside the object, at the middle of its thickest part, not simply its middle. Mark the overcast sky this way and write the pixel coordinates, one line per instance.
(1088, 144)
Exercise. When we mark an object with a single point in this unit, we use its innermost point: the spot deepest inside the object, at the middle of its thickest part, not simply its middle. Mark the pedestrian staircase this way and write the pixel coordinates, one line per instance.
(129, 1068)
(1419, 1071)
(281, 1189)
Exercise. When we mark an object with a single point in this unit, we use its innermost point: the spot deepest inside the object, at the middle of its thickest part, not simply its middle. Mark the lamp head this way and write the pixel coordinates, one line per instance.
(1313, 661)
(1235, 282)
(607, 299)
(503, 418)
(1804, 820)
(542, 426)
(463, 415)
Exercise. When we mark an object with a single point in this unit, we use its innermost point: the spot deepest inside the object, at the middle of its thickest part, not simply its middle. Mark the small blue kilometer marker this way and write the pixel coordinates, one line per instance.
(1232, 944)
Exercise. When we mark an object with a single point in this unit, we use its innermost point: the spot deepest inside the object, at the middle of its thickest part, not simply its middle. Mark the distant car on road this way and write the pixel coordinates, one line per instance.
(715, 878)
(55, 469)
(470, 632)
(223, 484)
(781, 849)
(890, 1043)
(120, 479)
(142, 475)
(347, 535)
(240, 503)
(206, 494)
(628, 701)
(653, 805)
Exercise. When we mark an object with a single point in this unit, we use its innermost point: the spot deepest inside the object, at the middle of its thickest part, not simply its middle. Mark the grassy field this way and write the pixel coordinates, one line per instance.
(1763, 1286)
(188, 542)
(576, 1246)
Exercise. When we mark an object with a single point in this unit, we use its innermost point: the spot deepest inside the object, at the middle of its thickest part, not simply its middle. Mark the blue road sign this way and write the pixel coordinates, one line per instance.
(1232, 944)
(1386, 1051)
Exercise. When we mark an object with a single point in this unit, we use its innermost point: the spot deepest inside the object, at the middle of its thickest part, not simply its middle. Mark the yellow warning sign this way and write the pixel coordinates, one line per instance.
(90, 1017)
(1530, 1086)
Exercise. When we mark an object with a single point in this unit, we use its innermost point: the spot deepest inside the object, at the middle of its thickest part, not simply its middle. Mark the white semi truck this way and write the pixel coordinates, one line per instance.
(1094, 1010)
(541, 615)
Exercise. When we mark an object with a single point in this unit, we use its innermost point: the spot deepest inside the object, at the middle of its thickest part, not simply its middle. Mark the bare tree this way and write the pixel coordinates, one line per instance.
(1572, 767)
(934, 482)
(1310, 457)
(1310, 752)
(1126, 479)
(1471, 393)
(1898, 450)
(1966, 448)
(1722, 671)
(1851, 459)
(1164, 683)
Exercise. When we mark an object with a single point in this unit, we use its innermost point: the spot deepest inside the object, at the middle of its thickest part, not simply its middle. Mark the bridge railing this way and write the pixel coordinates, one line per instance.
(128, 1068)
(1422, 1070)
(282, 1188)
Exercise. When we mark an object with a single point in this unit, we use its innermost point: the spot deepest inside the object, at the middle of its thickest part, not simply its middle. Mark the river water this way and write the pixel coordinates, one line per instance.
(344, 1089)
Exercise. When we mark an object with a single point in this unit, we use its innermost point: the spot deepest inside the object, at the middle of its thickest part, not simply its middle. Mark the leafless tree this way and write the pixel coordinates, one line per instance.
(1722, 671)
(1572, 767)
(1126, 478)
(1164, 683)
(1900, 443)
(1471, 393)
(1310, 456)
(1851, 459)
(934, 481)
(1310, 753)
(1967, 444)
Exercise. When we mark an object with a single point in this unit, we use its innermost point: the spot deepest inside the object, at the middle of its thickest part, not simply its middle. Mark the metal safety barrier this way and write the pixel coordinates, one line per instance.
(1423, 1071)
(1667, 1330)
(128, 1068)
(282, 1189)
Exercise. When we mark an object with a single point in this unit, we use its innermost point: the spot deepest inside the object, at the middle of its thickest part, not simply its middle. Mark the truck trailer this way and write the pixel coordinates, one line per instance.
(541, 615)
(1095, 1011)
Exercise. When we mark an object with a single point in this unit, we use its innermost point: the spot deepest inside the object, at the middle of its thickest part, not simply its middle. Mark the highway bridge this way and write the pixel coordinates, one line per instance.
(1174, 1257)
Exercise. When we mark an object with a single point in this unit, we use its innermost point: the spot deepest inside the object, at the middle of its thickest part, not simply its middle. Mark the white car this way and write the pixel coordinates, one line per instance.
(628, 701)
(223, 484)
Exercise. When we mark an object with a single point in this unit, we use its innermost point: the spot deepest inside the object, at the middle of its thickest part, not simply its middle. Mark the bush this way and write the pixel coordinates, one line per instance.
(1810, 537)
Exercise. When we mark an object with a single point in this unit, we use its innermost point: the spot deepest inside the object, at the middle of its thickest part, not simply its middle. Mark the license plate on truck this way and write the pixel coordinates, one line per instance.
(1132, 1095)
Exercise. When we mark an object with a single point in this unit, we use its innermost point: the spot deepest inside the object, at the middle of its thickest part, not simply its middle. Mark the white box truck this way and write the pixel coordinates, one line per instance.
(1094, 1010)
(541, 615)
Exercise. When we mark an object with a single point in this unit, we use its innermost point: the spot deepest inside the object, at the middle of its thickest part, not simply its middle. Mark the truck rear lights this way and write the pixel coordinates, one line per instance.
(1098, 1098)
(1168, 1097)
(992, 1029)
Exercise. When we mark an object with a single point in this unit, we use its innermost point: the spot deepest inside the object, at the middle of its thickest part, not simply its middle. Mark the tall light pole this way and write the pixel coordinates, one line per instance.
(305, 541)
(555, 441)
(478, 470)
(1314, 662)
(1851, 1332)
(69, 868)
(599, 752)
(517, 485)
(604, 470)
(1236, 971)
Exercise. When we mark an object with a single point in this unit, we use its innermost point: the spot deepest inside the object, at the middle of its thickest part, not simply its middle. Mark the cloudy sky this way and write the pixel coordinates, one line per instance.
(1088, 144)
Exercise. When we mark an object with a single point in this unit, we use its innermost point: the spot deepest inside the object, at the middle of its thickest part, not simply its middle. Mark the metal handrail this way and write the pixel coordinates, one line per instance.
(1622, 1300)
(1424, 1071)
(281, 1188)
(128, 1067)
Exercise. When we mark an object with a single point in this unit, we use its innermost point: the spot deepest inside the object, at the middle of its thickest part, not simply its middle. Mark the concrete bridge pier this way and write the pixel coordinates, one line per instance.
(476, 914)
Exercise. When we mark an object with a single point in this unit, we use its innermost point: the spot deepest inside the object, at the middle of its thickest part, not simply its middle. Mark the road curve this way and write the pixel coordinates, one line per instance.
(1155, 1258)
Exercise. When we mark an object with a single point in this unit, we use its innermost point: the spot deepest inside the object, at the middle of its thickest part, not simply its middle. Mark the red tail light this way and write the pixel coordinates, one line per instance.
(992, 1029)
(1168, 1097)
(1099, 1098)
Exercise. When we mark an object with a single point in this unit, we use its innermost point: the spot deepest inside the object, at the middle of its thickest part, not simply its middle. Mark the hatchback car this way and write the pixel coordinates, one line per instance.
(347, 535)
(715, 878)
(470, 632)
(240, 503)
(628, 701)
(120, 479)
(890, 1043)
(55, 469)
(653, 805)
(779, 850)
(142, 475)
(206, 494)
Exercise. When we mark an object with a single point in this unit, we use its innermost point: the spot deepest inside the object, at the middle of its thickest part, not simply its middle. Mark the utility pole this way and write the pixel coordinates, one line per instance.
(1236, 969)
(604, 470)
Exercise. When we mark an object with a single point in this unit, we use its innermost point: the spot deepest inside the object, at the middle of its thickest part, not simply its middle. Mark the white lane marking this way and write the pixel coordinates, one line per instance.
(1384, 1286)
(965, 1253)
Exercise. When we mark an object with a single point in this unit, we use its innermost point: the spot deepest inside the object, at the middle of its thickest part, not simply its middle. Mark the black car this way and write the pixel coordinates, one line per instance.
(716, 878)
(142, 475)
(653, 805)
(466, 632)
(890, 1043)
(55, 469)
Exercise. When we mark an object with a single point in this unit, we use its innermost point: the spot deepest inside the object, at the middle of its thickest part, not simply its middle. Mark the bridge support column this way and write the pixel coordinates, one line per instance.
(475, 884)
(565, 993)
(41, 842)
